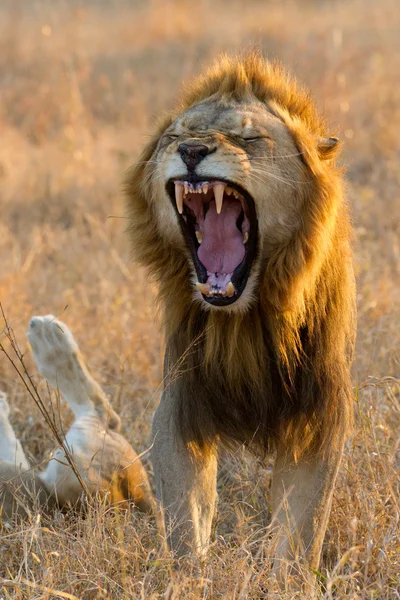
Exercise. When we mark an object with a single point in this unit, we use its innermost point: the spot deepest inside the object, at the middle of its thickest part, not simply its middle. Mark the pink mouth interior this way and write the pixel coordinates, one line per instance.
(222, 242)
(222, 248)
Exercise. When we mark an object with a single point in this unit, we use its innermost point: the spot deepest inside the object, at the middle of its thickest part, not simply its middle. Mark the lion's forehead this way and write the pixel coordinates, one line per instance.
(233, 119)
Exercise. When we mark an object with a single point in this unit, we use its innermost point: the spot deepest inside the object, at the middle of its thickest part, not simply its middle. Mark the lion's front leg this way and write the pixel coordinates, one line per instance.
(185, 485)
(301, 500)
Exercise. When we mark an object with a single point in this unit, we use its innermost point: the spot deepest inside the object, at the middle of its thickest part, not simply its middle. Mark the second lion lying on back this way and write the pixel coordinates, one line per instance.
(105, 460)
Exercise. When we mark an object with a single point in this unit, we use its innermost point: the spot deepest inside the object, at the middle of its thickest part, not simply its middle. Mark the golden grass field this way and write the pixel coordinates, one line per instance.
(81, 83)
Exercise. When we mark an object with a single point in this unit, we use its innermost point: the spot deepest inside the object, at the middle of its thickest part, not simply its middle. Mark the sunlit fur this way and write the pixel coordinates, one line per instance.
(279, 370)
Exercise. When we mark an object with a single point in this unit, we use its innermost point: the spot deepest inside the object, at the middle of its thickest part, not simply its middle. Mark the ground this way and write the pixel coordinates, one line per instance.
(81, 83)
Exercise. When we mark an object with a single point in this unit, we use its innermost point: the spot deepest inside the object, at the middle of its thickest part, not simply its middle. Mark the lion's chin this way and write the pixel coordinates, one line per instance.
(219, 222)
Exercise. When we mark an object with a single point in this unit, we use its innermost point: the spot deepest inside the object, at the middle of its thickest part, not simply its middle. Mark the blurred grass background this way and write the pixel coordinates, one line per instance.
(81, 83)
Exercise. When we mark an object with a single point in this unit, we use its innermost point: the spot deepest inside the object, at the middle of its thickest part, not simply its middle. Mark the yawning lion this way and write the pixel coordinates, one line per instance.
(236, 207)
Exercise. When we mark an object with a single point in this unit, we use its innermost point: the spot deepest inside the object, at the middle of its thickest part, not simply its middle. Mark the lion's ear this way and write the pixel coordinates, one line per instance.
(327, 147)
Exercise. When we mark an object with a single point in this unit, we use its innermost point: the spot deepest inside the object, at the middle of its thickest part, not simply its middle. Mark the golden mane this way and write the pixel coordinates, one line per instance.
(279, 372)
(248, 77)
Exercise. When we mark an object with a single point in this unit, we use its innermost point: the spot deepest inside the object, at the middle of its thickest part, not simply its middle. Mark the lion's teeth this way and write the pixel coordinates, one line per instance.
(179, 197)
(186, 188)
(219, 195)
(228, 191)
(236, 194)
(230, 289)
(245, 237)
(199, 236)
(203, 287)
(205, 188)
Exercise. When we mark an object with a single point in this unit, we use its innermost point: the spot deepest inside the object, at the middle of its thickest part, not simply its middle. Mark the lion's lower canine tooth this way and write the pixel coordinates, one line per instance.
(203, 287)
(230, 289)
(199, 236)
(245, 237)
(219, 195)
(179, 197)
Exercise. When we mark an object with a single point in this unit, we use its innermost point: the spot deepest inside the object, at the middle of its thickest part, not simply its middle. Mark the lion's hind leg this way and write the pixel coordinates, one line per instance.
(59, 360)
(20, 486)
(10, 447)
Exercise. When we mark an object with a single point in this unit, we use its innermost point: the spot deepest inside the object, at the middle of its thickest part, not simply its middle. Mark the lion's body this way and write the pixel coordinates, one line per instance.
(270, 370)
(103, 458)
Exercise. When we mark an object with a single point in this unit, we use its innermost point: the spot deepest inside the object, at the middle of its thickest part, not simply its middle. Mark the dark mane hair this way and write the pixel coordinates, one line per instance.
(279, 372)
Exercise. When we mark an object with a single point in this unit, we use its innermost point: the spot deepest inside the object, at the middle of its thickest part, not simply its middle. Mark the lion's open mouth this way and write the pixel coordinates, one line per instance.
(219, 222)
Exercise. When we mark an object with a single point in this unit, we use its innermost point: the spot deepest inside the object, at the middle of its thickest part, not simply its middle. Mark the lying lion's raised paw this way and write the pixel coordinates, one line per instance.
(58, 359)
(53, 347)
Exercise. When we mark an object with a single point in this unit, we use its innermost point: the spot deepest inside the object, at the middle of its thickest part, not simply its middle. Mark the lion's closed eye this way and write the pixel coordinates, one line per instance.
(257, 138)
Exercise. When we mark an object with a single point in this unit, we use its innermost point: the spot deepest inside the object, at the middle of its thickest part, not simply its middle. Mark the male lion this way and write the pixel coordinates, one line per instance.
(236, 207)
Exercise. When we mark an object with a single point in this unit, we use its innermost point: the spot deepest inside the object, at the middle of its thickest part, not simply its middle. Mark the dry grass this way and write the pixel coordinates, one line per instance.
(80, 83)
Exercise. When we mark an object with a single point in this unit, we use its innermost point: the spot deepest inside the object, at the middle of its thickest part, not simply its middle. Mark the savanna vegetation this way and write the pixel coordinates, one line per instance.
(80, 84)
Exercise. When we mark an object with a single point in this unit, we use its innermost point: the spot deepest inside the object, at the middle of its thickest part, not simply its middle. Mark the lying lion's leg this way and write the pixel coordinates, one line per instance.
(301, 501)
(59, 360)
(105, 461)
(185, 485)
(20, 485)
(10, 446)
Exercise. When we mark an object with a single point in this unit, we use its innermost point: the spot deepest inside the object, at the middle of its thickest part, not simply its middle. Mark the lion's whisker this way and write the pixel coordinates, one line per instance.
(257, 175)
(268, 173)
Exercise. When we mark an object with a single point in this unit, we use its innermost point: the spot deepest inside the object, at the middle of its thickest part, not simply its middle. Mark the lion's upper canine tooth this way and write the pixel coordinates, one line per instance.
(203, 287)
(219, 195)
(230, 289)
(179, 197)
(199, 236)
(245, 237)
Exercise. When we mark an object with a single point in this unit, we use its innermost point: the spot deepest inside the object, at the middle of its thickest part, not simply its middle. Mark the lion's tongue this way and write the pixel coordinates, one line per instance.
(222, 248)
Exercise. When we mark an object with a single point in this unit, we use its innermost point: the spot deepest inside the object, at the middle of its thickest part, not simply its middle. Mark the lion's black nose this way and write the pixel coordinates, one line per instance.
(192, 154)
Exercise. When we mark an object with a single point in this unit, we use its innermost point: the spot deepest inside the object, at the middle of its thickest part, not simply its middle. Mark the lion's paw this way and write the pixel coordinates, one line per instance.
(53, 347)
